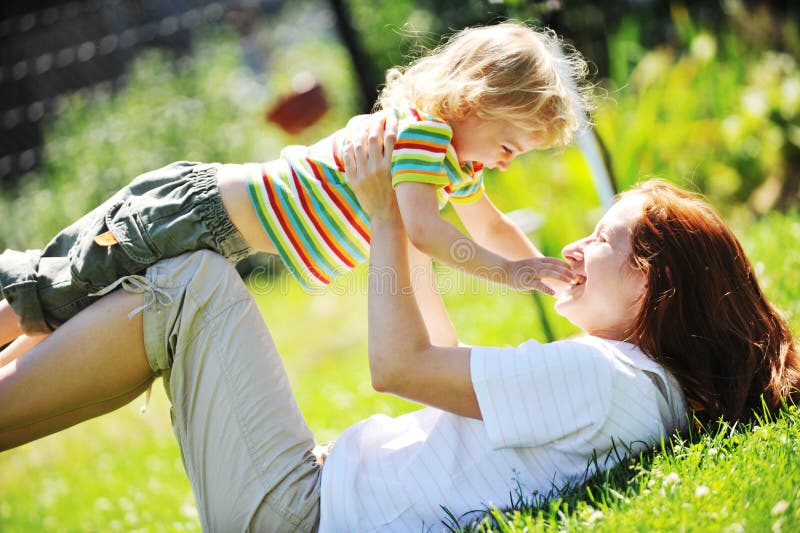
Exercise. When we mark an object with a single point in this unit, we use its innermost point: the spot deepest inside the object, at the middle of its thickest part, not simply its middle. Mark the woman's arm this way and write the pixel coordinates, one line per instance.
(402, 359)
(494, 230)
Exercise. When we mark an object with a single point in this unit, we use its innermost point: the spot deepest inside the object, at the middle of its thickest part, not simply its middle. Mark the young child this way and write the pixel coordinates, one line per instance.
(484, 97)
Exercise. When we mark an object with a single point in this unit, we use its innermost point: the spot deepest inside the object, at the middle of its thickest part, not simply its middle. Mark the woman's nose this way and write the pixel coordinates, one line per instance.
(573, 252)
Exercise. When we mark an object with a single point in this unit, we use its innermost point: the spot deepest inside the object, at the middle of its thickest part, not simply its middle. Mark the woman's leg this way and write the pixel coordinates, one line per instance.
(244, 442)
(95, 359)
(9, 323)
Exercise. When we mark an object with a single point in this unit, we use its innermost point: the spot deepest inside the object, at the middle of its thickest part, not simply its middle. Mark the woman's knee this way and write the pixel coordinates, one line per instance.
(215, 281)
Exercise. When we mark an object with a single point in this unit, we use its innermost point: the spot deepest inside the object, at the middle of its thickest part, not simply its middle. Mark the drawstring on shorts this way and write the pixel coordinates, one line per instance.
(138, 284)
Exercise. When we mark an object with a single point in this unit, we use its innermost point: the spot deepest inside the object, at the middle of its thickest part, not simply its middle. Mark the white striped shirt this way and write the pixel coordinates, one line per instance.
(546, 409)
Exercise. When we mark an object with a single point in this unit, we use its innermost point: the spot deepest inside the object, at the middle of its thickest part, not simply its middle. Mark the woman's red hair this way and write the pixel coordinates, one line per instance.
(704, 316)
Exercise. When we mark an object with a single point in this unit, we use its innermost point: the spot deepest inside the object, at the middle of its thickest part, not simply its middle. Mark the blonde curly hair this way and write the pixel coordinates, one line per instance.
(507, 71)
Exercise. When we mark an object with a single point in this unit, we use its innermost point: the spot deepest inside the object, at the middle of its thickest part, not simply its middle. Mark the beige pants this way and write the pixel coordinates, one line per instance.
(245, 445)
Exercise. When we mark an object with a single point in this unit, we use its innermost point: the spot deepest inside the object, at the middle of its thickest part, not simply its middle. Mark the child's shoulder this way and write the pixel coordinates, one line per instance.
(407, 115)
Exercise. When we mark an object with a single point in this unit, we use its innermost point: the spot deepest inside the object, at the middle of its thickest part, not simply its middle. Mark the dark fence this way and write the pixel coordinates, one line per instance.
(52, 48)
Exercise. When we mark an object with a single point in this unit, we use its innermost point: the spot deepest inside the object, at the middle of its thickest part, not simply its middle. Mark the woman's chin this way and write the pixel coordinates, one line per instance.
(561, 306)
(566, 292)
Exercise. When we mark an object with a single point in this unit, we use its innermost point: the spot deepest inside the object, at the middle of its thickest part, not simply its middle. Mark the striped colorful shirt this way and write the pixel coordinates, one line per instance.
(310, 213)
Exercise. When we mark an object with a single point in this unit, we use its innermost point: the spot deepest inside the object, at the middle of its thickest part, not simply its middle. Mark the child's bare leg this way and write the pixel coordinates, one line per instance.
(21, 344)
(9, 323)
(95, 358)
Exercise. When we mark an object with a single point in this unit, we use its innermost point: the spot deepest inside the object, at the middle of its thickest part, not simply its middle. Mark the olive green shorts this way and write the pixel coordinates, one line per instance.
(160, 214)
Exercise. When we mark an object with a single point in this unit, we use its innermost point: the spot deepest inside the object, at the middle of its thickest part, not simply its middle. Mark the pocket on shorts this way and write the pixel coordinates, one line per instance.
(126, 248)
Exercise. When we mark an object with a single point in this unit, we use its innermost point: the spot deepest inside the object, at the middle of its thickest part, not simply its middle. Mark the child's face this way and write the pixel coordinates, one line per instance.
(495, 143)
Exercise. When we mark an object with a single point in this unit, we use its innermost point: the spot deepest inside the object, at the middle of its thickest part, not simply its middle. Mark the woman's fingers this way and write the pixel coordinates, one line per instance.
(371, 141)
(350, 164)
(389, 138)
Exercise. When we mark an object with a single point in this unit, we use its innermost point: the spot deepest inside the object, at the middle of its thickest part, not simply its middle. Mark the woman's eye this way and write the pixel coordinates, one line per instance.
(506, 149)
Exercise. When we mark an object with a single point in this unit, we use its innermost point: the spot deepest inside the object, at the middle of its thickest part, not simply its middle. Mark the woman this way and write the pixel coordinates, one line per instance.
(673, 315)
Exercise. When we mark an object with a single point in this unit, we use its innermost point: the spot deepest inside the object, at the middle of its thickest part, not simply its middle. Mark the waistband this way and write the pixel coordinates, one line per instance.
(229, 239)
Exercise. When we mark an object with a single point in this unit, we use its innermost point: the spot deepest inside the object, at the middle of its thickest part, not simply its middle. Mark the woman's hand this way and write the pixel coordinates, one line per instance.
(367, 162)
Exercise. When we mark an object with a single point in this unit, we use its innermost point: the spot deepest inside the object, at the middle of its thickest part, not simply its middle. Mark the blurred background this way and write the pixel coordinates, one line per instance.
(705, 93)
(93, 92)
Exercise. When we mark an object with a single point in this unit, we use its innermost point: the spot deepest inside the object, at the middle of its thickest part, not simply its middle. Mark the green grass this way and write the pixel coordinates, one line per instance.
(731, 479)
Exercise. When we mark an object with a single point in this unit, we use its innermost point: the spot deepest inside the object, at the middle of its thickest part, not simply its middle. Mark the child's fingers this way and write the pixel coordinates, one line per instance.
(550, 267)
(557, 272)
(541, 287)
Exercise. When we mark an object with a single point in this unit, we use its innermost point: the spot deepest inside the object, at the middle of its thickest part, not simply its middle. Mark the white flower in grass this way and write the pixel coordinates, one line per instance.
(102, 504)
(712, 451)
(701, 491)
(779, 507)
(704, 47)
(672, 479)
(755, 103)
(790, 96)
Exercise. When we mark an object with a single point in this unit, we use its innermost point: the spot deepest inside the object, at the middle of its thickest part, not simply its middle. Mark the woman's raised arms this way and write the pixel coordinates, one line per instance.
(402, 359)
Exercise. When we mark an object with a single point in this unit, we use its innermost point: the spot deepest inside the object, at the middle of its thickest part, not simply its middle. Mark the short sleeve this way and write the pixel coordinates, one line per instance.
(537, 394)
(419, 153)
(469, 191)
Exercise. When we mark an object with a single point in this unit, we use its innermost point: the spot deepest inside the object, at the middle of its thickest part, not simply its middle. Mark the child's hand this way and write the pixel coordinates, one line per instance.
(526, 274)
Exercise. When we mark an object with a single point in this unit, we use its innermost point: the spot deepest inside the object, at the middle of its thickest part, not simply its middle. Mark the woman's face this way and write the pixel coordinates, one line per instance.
(608, 298)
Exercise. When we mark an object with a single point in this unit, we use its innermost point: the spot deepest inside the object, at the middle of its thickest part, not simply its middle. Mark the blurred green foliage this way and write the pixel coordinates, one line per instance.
(705, 92)
(714, 111)
(715, 105)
